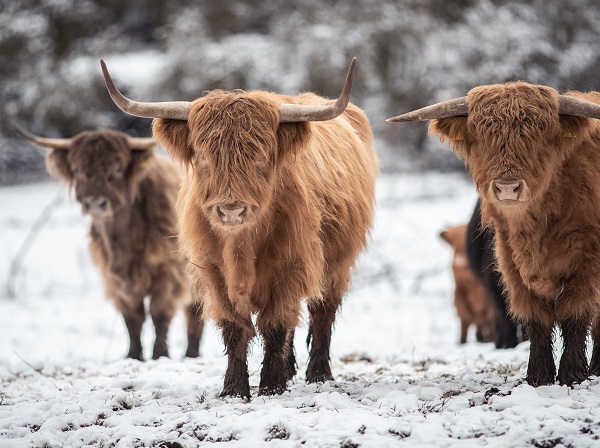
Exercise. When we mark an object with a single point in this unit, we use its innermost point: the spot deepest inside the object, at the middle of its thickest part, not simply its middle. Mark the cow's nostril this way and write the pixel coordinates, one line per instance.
(102, 203)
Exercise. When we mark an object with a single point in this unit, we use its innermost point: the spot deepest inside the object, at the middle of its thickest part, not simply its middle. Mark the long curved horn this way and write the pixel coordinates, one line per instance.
(175, 110)
(293, 113)
(137, 143)
(569, 105)
(457, 107)
(48, 143)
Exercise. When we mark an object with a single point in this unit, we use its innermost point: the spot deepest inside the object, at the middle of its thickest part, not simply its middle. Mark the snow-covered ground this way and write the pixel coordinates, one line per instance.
(401, 376)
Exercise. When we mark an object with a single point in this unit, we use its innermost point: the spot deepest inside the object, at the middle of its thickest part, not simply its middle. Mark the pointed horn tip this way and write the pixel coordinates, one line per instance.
(403, 118)
(105, 73)
(24, 133)
(103, 67)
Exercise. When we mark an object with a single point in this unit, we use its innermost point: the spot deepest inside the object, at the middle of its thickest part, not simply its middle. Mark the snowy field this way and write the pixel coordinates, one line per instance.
(401, 378)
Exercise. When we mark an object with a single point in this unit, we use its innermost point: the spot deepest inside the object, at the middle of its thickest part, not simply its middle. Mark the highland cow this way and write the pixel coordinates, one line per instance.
(473, 304)
(275, 209)
(130, 195)
(534, 156)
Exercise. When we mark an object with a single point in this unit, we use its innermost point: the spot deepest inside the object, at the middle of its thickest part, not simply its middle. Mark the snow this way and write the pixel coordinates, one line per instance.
(401, 378)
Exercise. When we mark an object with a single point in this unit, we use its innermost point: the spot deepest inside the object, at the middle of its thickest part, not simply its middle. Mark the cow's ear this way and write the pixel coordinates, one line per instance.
(574, 129)
(174, 136)
(452, 130)
(291, 137)
(139, 163)
(445, 235)
(57, 164)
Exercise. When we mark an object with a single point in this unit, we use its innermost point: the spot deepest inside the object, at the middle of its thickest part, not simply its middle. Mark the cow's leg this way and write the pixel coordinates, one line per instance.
(167, 293)
(506, 331)
(464, 329)
(574, 313)
(322, 315)
(573, 367)
(506, 327)
(276, 324)
(274, 374)
(541, 369)
(236, 341)
(479, 336)
(195, 328)
(134, 320)
(595, 362)
(291, 356)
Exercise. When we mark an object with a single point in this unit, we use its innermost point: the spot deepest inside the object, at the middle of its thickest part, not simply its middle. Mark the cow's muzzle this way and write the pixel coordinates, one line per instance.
(96, 206)
(508, 190)
(232, 214)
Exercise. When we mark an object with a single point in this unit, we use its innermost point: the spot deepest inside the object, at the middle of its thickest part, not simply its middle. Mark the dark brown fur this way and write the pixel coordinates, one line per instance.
(547, 243)
(472, 303)
(132, 242)
(309, 192)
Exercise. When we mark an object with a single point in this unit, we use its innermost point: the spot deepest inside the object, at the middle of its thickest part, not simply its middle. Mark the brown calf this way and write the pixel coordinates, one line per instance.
(473, 305)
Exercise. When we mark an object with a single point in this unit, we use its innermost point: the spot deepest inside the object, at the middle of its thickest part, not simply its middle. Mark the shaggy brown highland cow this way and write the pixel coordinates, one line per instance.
(472, 303)
(275, 208)
(535, 158)
(130, 195)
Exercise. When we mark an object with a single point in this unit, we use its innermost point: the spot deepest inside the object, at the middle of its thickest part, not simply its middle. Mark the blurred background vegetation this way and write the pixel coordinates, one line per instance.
(411, 53)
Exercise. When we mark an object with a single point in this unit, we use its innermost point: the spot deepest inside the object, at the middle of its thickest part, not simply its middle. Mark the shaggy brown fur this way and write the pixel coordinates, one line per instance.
(130, 196)
(473, 305)
(547, 241)
(301, 196)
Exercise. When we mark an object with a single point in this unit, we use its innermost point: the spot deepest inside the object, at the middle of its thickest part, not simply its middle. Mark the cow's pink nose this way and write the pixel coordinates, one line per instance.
(232, 214)
(508, 190)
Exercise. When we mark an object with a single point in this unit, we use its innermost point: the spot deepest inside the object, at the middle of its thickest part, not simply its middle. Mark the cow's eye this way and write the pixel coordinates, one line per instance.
(204, 168)
(118, 169)
(262, 166)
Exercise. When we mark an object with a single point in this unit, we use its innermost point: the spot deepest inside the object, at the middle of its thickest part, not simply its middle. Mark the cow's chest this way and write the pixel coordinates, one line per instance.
(540, 261)
(127, 274)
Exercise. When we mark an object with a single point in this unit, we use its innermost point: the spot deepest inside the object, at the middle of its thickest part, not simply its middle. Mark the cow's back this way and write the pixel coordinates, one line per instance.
(341, 166)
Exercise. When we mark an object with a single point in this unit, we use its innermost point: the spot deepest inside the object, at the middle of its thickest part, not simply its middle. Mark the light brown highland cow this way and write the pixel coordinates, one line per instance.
(275, 209)
(535, 158)
(130, 195)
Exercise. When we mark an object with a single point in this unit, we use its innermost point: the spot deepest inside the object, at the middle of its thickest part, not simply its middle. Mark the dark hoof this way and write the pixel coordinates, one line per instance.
(318, 373)
(571, 377)
(192, 353)
(157, 353)
(241, 391)
(272, 390)
(539, 380)
(135, 355)
(273, 381)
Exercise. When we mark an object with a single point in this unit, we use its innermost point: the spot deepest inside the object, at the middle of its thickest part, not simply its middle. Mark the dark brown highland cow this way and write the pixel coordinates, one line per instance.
(275, 208)
(535, 158)
(130, 195)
